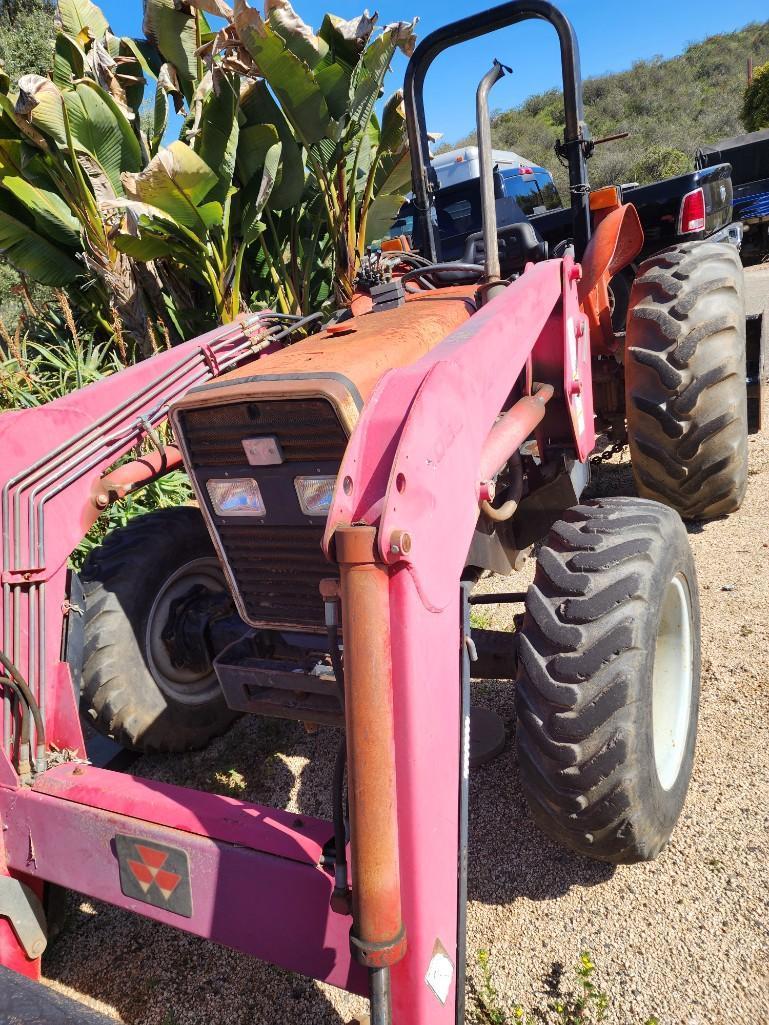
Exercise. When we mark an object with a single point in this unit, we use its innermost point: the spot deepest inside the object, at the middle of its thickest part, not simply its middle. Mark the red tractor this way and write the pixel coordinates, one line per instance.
(351, 489)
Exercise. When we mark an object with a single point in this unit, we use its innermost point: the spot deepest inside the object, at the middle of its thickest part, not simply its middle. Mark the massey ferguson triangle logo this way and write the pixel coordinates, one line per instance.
(154, 874)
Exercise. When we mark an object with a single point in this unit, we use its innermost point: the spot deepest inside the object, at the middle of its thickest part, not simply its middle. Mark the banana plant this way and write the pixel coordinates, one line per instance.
(344, 170)
(282, 172)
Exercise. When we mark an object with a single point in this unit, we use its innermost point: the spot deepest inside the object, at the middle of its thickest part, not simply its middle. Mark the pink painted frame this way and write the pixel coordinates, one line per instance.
(412, 465)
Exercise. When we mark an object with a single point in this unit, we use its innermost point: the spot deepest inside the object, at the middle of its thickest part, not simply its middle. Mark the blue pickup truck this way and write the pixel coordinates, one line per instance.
(692, 206)
(748, 156)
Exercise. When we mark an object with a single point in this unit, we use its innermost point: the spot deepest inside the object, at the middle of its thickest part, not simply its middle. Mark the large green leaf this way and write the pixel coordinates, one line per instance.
(171, 29)
(76, 15)
(160, 119)
(145, 52)
(68, 60)
(290, 78)
(39, 104)
(146, 248)
(298, 36)
(334, 81)
(216, 141)
(392, 136)
(101, 128)
(30, 251)
(49, 211)
(257, 107)
(370, 73)
(264, 155)
(381, 214)
(393, 175)
(132, 70)
(177, 181)
(347, 39)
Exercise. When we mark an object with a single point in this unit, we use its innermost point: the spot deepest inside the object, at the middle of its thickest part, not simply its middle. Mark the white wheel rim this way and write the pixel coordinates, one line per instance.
(672, 682)
(188, 686)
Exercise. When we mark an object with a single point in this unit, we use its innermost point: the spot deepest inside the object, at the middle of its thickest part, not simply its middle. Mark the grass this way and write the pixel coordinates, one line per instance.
(583, 1003)
(49, 355)
(480, 619)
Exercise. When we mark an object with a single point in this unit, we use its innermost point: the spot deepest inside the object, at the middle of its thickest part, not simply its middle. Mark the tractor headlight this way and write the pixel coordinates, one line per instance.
(238, 497)
(315, 494)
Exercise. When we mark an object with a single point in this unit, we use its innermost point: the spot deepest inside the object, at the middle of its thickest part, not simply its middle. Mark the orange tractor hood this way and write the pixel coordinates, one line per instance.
(344, 362)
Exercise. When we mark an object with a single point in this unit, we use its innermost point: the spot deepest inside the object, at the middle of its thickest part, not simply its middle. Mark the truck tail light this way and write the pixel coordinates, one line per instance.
(692, 216)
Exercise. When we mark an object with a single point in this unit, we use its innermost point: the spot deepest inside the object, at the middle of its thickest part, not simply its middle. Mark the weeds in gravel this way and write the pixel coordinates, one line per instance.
(479, 619)
(586, 1004)
(230, 782)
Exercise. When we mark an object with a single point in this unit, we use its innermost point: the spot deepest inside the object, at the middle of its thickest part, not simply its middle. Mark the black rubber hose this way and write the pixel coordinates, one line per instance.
(6, 681)
(419, 272)
(33, 706)
(340, 766)
(340, 826)
(336, 661)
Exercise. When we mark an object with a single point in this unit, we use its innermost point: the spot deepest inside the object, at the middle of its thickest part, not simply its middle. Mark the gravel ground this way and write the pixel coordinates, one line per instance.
(684, 939)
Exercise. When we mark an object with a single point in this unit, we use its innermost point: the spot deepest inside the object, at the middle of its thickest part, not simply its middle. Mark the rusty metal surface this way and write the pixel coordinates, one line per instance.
(511, 430)
(355, 346)
(378, 936)
(305, 429)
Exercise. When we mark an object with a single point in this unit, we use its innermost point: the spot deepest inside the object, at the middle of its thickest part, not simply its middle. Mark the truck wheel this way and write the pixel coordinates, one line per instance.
(136, 688)
(685, 393)
(608, 679)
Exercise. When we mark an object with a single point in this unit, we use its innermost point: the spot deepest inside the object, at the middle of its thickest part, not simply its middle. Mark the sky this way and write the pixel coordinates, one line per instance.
(611, 37)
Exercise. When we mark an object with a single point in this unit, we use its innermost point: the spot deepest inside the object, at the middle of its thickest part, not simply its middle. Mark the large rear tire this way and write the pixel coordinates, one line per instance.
(608, 679)
(134, 690)
(685, 391)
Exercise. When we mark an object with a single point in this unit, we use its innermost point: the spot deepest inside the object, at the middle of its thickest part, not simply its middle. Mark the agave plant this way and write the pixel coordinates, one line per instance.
(281, 173)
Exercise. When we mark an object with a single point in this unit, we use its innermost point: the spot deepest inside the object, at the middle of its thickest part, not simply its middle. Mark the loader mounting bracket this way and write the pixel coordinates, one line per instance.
(21, 906)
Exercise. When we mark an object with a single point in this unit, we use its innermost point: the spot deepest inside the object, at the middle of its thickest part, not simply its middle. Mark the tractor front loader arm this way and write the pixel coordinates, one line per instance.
(408, 491)
(53, 488)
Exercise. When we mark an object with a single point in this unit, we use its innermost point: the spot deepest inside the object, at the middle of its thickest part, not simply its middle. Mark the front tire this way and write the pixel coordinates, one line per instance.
(134, 688)
(685, 392)
(608, 679)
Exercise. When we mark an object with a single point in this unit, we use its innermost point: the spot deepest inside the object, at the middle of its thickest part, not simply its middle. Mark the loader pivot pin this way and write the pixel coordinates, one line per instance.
(377, 937)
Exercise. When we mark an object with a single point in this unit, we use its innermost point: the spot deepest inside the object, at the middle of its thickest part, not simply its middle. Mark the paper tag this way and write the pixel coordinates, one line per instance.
(440, 972)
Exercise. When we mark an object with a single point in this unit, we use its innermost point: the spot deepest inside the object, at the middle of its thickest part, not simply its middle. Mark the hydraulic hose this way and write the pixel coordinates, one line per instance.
(341, 884)
(27, 696)
(341, 895)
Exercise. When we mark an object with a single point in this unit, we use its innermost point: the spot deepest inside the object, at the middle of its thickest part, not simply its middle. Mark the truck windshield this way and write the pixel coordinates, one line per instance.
(534, 193)
(457, 211)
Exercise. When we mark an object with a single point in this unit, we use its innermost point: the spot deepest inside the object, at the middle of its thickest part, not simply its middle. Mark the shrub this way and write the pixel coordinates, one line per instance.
(660, 162)
(755, 104)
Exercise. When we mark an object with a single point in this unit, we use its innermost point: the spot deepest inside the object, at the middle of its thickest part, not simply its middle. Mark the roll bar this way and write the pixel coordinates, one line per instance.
(575, 146)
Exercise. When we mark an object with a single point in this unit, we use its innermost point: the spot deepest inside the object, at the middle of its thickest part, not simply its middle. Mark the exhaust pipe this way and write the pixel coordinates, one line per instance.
(486, 161)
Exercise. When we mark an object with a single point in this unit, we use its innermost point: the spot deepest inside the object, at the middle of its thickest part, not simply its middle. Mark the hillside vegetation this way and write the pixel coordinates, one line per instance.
(670, 107)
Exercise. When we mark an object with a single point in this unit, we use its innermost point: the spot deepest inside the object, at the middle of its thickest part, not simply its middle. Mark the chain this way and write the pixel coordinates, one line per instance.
(613, 450)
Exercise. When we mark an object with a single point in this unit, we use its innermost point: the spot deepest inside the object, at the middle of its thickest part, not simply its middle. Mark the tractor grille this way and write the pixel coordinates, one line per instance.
(307, 429)
(276, 561)
(278, 570)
